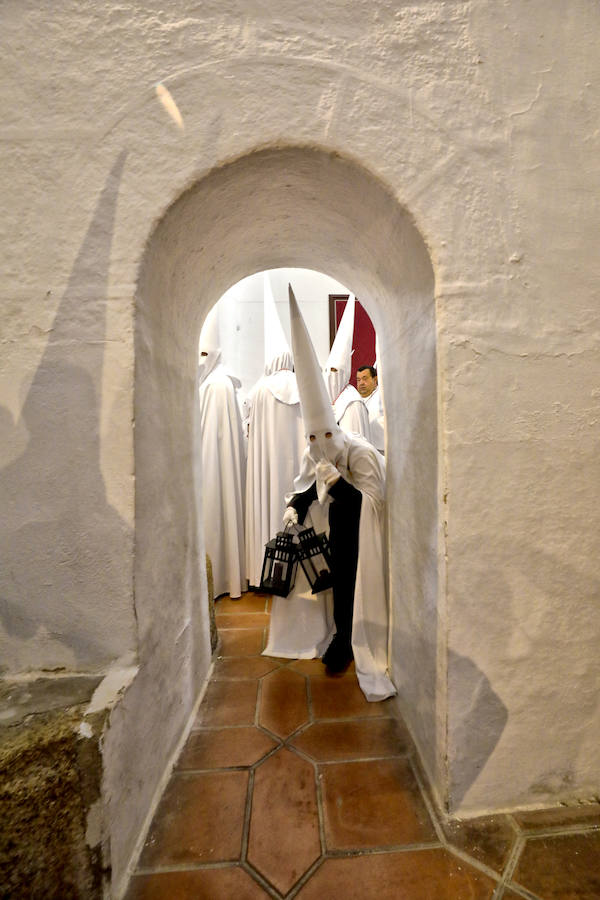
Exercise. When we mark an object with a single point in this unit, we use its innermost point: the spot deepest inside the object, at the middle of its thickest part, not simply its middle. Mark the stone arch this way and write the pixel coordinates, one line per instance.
(292, 206)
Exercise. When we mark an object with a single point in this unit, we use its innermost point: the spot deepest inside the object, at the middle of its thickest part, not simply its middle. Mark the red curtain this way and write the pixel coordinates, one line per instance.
(363, 341)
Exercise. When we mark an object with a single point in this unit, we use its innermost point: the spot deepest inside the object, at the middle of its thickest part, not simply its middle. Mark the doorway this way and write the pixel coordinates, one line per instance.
(314, 209)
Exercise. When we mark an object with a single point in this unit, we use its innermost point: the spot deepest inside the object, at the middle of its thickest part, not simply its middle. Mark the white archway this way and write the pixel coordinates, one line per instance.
(290, 207)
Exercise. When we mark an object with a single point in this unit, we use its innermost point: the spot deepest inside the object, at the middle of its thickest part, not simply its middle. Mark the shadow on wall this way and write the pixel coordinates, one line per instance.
(480, 720)
(64, 590)
(480, 723)
(550, 666)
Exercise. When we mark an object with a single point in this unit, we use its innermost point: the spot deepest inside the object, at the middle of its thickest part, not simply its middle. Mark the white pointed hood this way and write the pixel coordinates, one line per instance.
(209, 344)
(340, 355)
(317, 411)
(277, 350)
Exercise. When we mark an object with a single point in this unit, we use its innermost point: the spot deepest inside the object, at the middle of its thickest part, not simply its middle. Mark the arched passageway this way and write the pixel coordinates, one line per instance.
(287, 207)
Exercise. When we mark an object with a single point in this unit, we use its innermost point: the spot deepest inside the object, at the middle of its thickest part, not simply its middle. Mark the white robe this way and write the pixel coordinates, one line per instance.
(351, 414)
(302, 624)
(275, 445)
(376, 419)
(223, 468)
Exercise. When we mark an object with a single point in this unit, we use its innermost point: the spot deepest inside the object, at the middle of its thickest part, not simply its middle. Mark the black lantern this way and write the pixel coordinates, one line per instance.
(313, 553)
(279, 565)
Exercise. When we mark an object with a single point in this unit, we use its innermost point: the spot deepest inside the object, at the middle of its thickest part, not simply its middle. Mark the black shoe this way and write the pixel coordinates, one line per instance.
(338, 656)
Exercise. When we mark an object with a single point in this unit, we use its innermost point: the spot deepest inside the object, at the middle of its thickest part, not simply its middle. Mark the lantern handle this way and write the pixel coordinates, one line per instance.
(291, 525)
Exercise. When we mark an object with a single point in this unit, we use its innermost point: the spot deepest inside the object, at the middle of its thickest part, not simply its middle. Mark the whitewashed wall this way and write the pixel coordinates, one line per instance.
(478, 121)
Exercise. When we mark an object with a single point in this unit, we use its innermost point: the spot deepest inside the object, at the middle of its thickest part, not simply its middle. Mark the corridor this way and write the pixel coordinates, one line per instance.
(292, 785)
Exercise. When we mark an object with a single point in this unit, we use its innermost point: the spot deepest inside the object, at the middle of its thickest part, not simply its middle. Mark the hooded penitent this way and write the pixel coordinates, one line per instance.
(374, 404)
(223, 464)
(209, 346)
(339, 361)
(348, 408)
(320, 427)
(275, 440)
(278, 355)
(301, 625)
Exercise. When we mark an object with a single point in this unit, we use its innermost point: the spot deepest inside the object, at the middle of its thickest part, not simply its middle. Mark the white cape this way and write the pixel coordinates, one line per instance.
(351, 414)
(376, 419)
(223, 465)
(275, 444)
(302, 625)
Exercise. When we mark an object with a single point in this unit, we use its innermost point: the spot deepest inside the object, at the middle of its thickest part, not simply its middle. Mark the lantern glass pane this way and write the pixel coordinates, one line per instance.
(314, 559)
(278, 571)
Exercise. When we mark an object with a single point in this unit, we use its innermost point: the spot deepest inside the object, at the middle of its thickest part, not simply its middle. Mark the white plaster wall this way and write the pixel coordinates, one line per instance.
(67, 542)
(481, 117)
(522, 432)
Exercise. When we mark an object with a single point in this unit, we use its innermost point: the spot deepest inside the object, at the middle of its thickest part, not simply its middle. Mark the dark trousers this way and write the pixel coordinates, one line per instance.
(344, 522)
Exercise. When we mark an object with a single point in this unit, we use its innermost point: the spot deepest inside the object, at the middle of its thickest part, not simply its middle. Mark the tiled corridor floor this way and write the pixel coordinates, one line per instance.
(292, 785)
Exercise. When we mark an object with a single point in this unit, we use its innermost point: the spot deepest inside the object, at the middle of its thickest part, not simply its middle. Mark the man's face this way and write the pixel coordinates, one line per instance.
(365, 383)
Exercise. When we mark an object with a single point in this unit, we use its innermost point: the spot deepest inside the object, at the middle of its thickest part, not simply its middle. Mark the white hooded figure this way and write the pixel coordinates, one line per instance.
(223, 464)
(349, 409)
(275, 440)
(341, 484)
(374, 404)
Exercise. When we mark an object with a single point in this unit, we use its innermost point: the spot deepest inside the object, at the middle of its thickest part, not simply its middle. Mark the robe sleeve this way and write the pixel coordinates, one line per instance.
(366, 470)
(371, 616)
(356, 420)
(302, 501)
(343, 490)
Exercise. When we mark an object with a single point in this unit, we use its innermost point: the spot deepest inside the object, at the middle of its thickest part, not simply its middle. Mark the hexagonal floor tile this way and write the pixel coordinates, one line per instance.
(560, 817)
(223, 748)
(411, 875)
(565, 866)
(373, 804)
(284, 825)
(342, 698)
(199, 820)
(487, 839)
(241, 641)
(358, 739)
(283, 703)
(201, 884)
(228, 703)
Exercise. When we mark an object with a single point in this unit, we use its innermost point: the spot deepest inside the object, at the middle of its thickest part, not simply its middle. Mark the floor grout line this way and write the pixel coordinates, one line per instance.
(309, 701)
(271, 734)
(451, 848)
(247, 818)
(267, 756)
(304, 878)
(472, 861)
(202, 728)
(428, 804)
(510, 866)
(259, 693)
(559, 831)
(262, 881)
(517, 889)
(190, 866)
(346, 719)
(361, 759)
(190, 773)
(416, 847)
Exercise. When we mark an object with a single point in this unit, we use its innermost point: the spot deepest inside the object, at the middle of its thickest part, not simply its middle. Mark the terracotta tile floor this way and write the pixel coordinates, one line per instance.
(292, 785)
